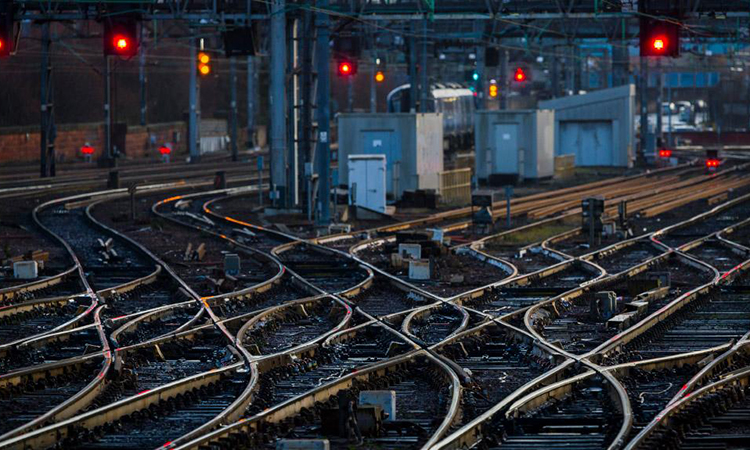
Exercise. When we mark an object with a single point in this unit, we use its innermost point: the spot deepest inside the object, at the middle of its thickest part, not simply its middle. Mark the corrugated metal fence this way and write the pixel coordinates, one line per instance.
(455, 187)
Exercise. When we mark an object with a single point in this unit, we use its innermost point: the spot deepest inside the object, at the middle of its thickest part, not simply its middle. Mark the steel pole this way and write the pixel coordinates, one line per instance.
(193, 134)
(481, 98)
(278, 105)
(641, 156)
(142, 78)
(250, 102)
(424, 88)
(373, 87)
(659, 95)
(108, 109)
(323, 114)
(306, 113)
(412, 70)
(233, 106)
(43, 100)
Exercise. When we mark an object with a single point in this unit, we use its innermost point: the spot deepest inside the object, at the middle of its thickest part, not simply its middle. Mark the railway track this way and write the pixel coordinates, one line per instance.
(384, 298)
(580, 324)
(292, 324)
(582, 415)
(329, 272)
(497, 364)
(52, 347)
(110, 265)
(705, 224)
(60, 285)
(28, 185)
(341, 354)
(432, 325)
(420, 389)
(37, 317)
(710, 320)
(515, 360)
(714, 417)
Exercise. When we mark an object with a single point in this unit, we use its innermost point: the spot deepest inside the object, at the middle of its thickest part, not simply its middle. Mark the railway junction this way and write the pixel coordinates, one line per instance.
(440, 226)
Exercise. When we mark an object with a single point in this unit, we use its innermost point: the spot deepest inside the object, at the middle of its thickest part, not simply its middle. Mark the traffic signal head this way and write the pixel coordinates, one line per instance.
(379, 76)
(347, 68)
(665, 152)
(493, 90)
(121, 37)
(659, 38)
(204, 66)
(6, 32)
(240, 41)
(519, 75)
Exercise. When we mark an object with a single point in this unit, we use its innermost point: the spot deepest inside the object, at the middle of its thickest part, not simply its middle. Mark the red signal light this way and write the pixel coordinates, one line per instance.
(164, 150)
(121, 37)
(665, 153)
(349, 68)
(5, 45)
(712, 163)
(659, 38)
(520, 75)
(87, 150)
(7, 28)
(121, 43)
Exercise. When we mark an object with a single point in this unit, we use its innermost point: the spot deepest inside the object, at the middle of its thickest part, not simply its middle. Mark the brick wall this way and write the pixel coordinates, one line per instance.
(711, 138)
(22, 144)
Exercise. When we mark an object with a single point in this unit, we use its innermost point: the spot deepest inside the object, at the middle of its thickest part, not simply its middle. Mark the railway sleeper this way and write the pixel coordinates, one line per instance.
(40, 392)
(403, 433)
(292, 326)
(722, 412)
(135, 423)
(496, 367)
(323, 365)
(711, 319)
(585, 418)
(650, 391)
(734, 362)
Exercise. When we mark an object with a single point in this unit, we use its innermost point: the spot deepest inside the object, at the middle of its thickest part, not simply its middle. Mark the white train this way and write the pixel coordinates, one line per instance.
(454, 101)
